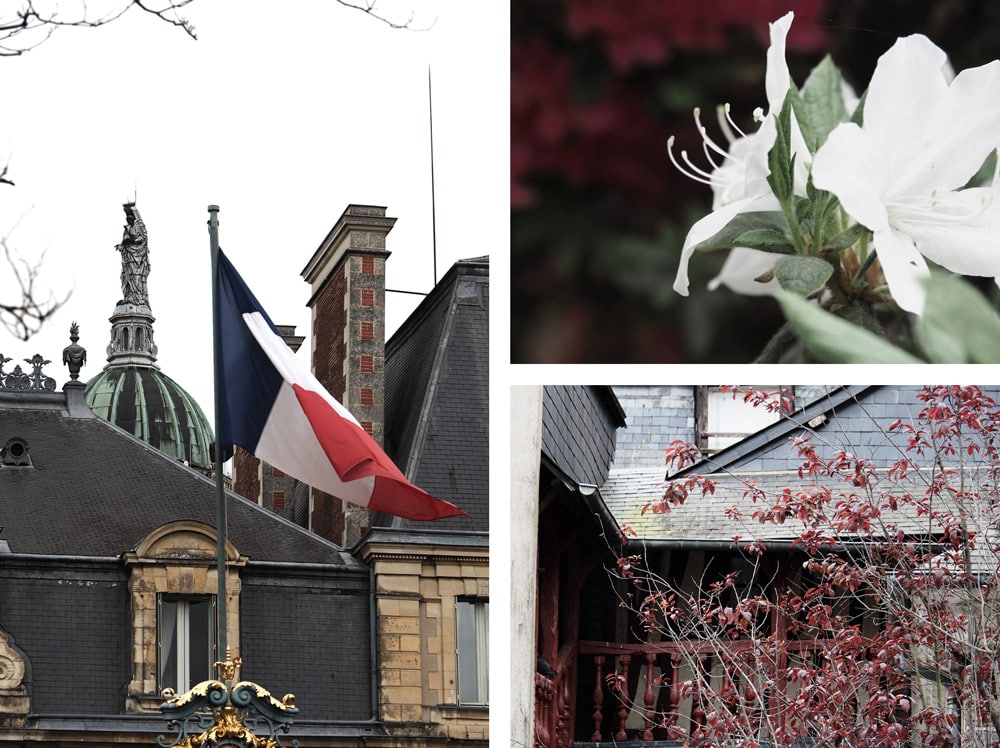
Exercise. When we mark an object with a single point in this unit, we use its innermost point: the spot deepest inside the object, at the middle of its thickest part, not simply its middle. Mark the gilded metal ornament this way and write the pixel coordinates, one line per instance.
(220, 712)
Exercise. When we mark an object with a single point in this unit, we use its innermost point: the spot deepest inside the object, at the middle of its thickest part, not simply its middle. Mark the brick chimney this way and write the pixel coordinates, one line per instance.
(347, 277)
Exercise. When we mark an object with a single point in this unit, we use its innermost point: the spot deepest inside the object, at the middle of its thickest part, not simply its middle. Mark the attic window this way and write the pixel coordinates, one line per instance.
(15, 453)
(722, 420)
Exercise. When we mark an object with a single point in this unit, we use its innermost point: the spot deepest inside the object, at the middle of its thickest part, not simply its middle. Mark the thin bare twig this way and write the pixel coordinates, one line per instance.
(370, 8)
(25, 316)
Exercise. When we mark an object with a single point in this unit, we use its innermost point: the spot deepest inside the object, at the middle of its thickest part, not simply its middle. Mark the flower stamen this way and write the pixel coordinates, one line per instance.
(695, 169)
(681, 169)
(729, 119)
(704, 134)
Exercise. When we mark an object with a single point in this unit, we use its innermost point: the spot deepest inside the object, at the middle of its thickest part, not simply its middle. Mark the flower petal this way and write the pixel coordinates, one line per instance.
(711, 225)
(903, 267)
(848, 165)
(959, 233)
(777, 79)
(973, 128)
(740, 269)
(933, 135)
(909, 79)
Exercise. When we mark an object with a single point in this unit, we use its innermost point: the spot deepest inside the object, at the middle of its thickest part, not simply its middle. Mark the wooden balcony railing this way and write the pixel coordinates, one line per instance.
(555, 700)
(636, 690)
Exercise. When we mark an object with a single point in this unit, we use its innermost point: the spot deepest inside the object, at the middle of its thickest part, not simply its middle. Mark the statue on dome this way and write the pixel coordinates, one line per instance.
(134, 250)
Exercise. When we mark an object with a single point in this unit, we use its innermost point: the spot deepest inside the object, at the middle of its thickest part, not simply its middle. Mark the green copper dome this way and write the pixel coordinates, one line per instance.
(147, 403)
(132, 392)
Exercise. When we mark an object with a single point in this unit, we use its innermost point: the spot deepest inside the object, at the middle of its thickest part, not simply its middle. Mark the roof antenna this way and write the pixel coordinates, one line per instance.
(430, 111)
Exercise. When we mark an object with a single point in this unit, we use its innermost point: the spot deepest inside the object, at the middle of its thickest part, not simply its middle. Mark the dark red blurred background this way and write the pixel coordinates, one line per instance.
(598, 213)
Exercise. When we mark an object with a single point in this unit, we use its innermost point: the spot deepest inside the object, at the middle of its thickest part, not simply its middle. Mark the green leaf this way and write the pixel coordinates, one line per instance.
(958, 324)
(779, 158)
(846, 238)
(747, 223)
(802, 275)
(833, 340)
(822, 107)
(768, 240)
(858, 117)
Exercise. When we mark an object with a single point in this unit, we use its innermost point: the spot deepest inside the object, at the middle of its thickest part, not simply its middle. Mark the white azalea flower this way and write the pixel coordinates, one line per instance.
(924, 136)
(739, 183)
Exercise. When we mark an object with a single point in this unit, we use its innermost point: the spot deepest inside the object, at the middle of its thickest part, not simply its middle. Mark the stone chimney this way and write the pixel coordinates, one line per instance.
(347, 278)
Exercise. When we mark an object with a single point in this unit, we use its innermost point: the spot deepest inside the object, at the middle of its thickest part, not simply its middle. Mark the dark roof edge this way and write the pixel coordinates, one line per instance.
(776, 431)
(478, 538)
(607, 394)
(476, 266)
(430, 392)
(141, 724)
(13, 558)
(306, 569)
(591, 496)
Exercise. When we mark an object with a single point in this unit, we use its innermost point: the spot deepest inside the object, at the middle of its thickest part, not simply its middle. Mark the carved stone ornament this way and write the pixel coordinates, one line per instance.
(11, 665)
(15, 703)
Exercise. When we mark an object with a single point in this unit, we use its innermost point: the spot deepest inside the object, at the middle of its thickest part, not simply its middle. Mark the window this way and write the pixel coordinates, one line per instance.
(473, 623)
(722, 420)
(186, 640)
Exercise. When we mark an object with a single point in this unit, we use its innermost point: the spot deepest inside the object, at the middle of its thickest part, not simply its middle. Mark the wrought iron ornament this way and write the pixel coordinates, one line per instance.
(220, 712)
(20, 380)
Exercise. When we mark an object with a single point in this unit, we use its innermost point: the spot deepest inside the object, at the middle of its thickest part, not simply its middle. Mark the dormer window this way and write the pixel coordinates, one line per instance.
(722, 420)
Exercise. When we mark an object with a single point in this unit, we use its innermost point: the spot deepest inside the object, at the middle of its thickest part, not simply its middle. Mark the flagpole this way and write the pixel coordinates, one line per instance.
(220, 494)
(224, 710)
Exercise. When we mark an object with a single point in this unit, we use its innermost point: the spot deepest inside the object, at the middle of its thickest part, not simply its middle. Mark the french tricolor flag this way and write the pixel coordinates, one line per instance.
(273, 407)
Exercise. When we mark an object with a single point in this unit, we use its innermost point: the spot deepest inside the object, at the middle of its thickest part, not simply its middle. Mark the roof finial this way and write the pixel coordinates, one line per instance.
(74, 355)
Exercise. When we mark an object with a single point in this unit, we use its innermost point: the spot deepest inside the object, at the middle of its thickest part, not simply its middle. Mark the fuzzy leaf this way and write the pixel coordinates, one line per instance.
(779, 158)
(743, 224)
(833, 340)
(768, 240)
(958, 325)
(802, 275)
(846, 238)
(822, 107)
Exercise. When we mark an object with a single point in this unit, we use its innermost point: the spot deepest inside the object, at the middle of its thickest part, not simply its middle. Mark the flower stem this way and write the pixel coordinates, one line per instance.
(869, 258)
(788, 210)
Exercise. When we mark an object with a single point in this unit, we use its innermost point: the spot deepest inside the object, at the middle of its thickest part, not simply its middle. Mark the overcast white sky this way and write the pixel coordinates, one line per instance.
(280, 113)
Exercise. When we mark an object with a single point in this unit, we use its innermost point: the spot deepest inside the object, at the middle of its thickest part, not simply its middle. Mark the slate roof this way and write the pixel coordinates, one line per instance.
(579, 425)
(842, 420)
(437, 397)
(96, 490)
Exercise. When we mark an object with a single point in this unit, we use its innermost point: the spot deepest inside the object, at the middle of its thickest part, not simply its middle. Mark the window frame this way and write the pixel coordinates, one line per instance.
(479, 607)
(182, 632)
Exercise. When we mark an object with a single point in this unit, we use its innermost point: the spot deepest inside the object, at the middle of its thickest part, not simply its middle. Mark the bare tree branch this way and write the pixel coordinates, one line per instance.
(32, 24)
(370, 8)
(26, 316)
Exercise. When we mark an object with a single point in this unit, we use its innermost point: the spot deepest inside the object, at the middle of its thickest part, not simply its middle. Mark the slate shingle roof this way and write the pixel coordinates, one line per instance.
(854, 419)
(95, 490)
(437, 397)
(579, 425)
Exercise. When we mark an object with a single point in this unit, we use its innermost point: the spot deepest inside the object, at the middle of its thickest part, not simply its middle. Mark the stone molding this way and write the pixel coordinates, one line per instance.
(175, 558)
